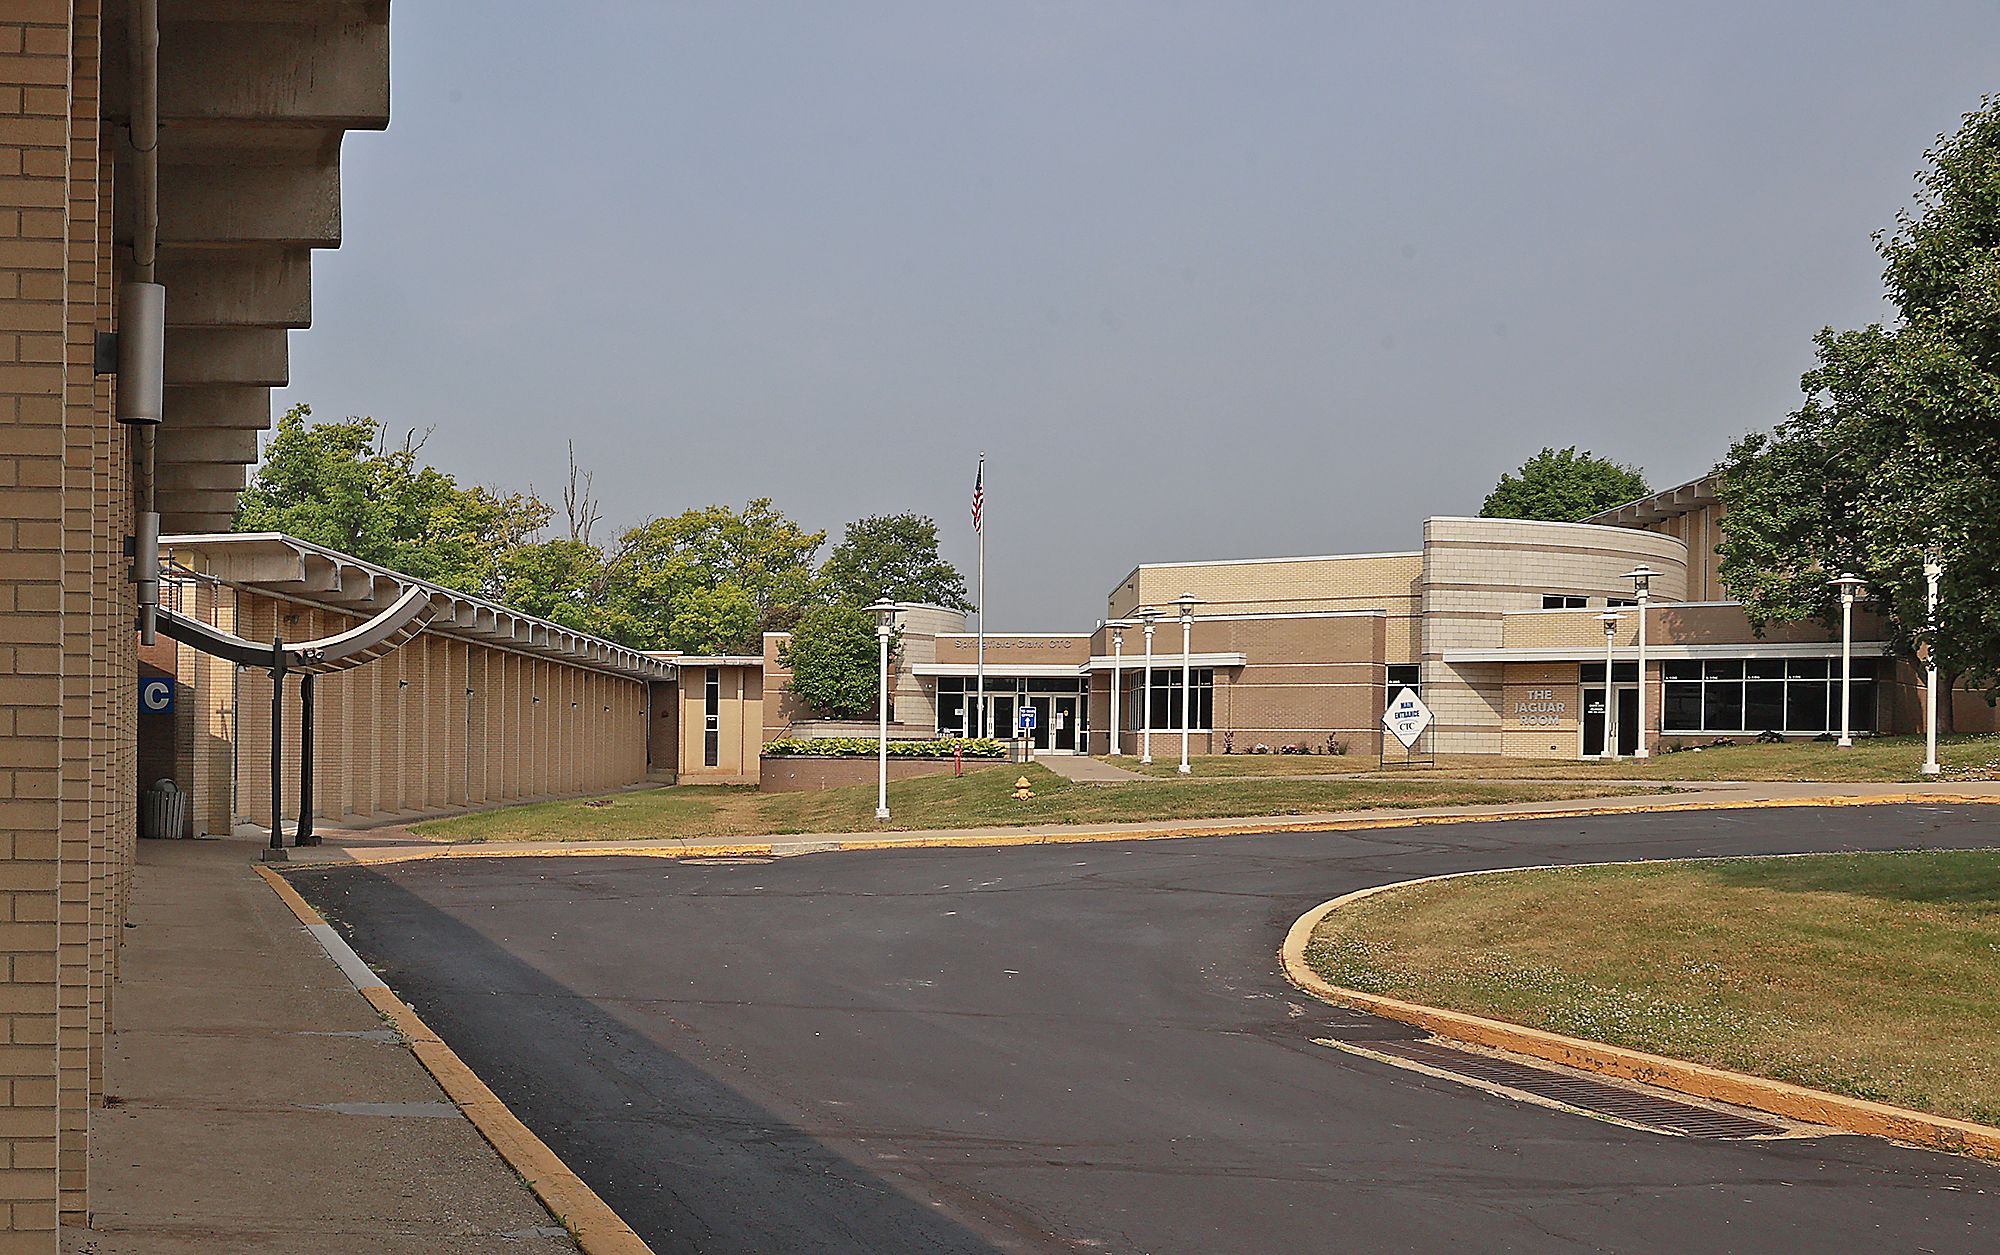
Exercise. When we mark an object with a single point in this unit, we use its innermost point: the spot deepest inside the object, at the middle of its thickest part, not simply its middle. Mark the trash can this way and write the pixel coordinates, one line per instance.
(162, 811)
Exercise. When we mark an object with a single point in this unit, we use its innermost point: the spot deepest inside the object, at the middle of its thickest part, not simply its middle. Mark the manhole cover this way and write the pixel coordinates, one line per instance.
(1575, 1091)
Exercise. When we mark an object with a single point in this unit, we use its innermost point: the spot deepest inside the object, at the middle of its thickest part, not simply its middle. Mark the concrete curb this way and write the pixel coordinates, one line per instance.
(779, 847)
(596, 1228)
(1856, 1115)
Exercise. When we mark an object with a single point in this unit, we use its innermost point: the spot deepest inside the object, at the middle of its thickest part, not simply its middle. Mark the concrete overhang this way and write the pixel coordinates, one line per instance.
(255, 97)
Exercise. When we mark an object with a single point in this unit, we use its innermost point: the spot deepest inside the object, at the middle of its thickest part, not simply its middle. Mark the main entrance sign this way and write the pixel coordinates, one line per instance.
(1407, 717)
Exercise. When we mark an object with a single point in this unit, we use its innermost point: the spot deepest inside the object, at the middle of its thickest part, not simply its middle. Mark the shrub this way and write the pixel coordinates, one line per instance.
(865, 747)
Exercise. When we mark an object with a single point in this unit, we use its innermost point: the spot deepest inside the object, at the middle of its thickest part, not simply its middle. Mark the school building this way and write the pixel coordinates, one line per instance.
(1498, 624)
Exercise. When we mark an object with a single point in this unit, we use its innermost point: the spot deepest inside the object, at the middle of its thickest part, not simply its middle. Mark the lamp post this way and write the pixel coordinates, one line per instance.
(1147, 615)
(885, 626)
(1642, 581)
(1187, 602)
(1117, 627)
(1849, 585)
(1610, 746)
(1933, 573)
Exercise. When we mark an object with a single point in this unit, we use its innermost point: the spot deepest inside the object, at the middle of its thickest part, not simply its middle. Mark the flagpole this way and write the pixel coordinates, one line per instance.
(979, 526)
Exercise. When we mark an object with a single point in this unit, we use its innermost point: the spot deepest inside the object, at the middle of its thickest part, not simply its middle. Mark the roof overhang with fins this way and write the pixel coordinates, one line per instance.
(1667, 504)
(298, 570)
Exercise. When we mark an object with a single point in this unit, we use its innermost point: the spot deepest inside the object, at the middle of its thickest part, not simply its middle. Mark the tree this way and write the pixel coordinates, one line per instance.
(893, 556)
(835, 661)
(1896, 450)
(341, 485)
(704, 581)
(1563, 486)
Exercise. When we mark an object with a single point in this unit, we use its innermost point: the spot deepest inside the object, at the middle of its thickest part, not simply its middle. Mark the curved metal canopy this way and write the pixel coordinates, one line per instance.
(383, 634)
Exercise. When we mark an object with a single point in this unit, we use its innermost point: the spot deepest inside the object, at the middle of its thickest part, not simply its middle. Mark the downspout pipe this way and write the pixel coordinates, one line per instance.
(142, 310)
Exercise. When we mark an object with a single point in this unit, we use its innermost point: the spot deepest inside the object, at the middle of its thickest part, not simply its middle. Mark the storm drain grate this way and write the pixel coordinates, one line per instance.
(1576, 1091)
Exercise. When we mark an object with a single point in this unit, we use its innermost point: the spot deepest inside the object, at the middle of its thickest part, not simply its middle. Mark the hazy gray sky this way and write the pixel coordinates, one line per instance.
(1205, 280)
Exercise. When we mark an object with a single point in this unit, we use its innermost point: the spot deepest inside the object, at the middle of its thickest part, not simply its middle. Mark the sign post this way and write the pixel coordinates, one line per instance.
(1407, 719)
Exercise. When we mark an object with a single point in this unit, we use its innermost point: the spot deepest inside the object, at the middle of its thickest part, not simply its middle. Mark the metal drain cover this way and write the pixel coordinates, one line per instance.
(1575, 1091)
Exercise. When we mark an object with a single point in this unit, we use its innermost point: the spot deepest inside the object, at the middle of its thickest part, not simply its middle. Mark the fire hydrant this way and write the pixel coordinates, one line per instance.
(1021, 790)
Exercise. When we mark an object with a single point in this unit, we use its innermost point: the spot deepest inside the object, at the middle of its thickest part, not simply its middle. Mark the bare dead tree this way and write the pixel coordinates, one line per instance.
(578, 502)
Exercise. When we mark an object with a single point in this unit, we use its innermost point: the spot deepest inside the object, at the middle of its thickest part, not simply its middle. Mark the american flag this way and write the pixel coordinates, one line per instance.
(979, 492)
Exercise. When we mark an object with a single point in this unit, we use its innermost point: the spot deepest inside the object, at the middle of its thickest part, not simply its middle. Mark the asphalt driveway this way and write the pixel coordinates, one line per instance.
(1081, 1048)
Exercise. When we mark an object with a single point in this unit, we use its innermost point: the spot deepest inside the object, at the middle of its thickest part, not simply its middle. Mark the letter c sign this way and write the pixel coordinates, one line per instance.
(156, 696)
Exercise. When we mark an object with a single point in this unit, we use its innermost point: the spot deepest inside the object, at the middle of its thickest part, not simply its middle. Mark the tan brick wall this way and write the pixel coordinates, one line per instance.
(401, 734)
(34, 273)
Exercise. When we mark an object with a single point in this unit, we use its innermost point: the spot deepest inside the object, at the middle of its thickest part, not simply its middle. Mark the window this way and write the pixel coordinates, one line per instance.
(1166, 712)
(1795, 695)
(1621, 673)
(1405, 675)
(711, 726)
(1563, 601)
(1615, 602)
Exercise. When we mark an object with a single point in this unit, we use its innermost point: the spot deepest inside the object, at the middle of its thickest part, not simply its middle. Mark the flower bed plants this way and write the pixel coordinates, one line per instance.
(866, 747)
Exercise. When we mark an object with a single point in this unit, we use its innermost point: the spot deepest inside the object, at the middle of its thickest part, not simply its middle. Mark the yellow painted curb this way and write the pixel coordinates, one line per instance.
(1232, 828)
(597, 1228)
(1856, 1115)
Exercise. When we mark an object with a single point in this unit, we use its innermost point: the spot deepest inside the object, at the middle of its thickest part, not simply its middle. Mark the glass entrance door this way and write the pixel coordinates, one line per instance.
(1624, 721)
(1593, 722)
(1063, 735)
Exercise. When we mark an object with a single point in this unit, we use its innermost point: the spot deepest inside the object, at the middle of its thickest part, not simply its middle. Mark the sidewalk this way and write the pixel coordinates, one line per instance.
(257, 1103)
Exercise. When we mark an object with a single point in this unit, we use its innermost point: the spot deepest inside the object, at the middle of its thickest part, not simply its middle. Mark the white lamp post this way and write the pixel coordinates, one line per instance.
(1642, 580)
(1849, 585)
(1187, 602)
(885, 626)
(1147, 615)
(1933, 573)
(1117, 627)
(1610, 747)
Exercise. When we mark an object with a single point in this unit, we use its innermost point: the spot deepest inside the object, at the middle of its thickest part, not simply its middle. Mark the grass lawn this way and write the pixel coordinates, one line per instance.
(1866, 974)
(1875, 760)
(981, 799)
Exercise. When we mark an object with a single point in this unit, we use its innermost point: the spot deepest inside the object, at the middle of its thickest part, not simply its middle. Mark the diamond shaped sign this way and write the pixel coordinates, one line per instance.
(1407, 717)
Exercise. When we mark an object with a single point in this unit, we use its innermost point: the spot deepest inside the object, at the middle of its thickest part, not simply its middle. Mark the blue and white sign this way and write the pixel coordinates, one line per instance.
(1407, 717)
(156, 695)
(1027, 718)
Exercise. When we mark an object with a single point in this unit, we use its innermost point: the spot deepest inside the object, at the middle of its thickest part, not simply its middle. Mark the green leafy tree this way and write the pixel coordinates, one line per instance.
(343, 486)
(835, 661)
(893, 556)
(1896, 450)
(705, 581)
(1563, 486)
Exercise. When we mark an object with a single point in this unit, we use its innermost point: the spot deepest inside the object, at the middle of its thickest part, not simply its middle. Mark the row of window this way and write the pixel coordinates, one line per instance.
(1763, 694)
(1167, 704)
(1565, 601)
(1007, 684)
